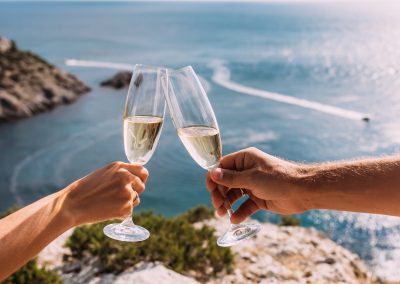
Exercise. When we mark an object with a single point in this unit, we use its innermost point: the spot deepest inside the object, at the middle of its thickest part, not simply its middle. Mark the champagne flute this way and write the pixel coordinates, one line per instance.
(143, 120)
(197, 128)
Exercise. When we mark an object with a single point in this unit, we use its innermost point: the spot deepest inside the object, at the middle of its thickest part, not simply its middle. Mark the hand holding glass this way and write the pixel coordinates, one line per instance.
(197, 128)
(143, 120)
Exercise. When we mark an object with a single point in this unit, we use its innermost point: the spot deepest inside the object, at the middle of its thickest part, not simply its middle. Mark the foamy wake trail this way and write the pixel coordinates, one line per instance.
(72, 153)
(221, 77)
(27, 160)
(118, 66)
(16, 172)
(98, 64)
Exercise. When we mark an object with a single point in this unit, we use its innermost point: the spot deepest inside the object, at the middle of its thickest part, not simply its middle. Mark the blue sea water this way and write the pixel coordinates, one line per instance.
(337, 54)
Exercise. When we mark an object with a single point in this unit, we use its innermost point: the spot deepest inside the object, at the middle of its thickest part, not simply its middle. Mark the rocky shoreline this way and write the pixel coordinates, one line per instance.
(29, 85)
(118, 81)
(276, 255)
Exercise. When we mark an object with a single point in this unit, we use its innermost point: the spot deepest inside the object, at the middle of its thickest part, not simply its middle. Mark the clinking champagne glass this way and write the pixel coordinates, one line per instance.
(143, 120)
(197, 128)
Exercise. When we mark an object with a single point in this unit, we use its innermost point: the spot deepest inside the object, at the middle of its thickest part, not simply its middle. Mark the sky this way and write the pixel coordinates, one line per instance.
(266, 1)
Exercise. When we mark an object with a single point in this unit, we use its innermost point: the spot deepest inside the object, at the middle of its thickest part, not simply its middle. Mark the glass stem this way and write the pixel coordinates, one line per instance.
(230, 212)
(128, 222)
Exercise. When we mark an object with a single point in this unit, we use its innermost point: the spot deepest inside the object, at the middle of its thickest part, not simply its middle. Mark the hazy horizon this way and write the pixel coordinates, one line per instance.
(239, 1)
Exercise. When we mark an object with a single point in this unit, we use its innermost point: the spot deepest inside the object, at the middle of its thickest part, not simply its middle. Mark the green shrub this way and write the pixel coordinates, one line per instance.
(289, 220)
(174, 242)
(30, 273)
(198, 214)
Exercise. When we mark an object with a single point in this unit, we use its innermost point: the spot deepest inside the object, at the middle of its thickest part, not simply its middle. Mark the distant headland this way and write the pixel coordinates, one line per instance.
(30, 85)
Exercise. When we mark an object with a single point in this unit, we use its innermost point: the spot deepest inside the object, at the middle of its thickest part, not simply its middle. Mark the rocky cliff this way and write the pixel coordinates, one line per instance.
(30, 85)
(276, 255)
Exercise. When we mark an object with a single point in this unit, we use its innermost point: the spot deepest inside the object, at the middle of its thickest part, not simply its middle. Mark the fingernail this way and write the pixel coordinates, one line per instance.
(217, 174)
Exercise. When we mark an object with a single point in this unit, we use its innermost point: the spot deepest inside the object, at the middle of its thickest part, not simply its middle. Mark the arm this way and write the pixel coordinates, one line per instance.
(106, 193)
(369, 185)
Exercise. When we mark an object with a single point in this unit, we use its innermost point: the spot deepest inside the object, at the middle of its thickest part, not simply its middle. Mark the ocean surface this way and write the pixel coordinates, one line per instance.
(281, 77)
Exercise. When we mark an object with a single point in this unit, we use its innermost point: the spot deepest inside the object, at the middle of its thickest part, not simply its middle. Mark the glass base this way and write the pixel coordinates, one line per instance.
(126, 232)
(237, 234)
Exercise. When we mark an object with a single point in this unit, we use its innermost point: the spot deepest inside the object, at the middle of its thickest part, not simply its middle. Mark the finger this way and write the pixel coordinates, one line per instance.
(232, 161)
(240, 160)
(234, 195)
(136, 170)
(221, 211)
(221, 202)
(136, 200)
(217, 199)
(134, 181)
(234, 179)
(138, 185)
(210, 184)
(248, 208)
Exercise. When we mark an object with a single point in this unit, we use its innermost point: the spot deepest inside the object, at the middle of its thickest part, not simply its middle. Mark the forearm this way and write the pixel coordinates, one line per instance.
(370, 185)
(26, 232)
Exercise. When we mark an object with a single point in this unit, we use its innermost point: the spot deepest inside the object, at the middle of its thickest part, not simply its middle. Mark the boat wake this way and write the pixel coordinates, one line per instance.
(98, 64)
(14, 185)
(221, 76)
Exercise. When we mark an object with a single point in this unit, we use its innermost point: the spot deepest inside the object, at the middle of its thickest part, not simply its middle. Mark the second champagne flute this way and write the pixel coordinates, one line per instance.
(143, 120)
(197, 128)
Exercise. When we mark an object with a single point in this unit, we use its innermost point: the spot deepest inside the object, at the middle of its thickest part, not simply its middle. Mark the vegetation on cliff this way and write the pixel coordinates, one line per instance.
(175, 242)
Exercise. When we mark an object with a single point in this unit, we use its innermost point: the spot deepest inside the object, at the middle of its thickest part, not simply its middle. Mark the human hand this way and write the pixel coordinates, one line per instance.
(109, 192)
(271, 184)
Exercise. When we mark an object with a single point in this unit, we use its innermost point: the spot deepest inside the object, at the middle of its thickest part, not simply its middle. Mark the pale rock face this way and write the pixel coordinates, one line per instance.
(149, 273)
(291, 255)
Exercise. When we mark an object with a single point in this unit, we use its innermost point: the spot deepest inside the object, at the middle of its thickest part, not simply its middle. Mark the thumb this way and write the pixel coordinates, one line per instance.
(232, 179)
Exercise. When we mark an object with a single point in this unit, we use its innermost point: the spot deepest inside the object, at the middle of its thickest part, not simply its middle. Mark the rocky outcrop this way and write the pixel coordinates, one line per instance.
(143, 273)
(276, 255)
(291, 255)
(119, 80)
(30, 85)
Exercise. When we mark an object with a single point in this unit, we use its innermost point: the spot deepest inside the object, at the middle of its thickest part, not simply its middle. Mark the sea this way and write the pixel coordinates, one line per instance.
(294, 80)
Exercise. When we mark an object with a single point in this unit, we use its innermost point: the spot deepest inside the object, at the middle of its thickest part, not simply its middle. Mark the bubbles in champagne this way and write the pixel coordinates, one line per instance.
(141, 134)
(203, 143)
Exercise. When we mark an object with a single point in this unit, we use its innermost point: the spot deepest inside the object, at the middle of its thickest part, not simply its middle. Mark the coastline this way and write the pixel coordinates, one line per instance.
(30, 85)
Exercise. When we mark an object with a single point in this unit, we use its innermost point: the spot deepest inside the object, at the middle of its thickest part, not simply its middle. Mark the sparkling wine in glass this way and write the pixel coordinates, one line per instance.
(197, 128)
(143, 120)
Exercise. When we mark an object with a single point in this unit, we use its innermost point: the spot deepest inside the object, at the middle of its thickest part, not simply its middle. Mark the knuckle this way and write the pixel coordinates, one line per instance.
(251, 149)
(126, 193)
(116, 164)
(136, 167)
(145, 172)
(136, 180)
(139, 187)
(122, 177)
